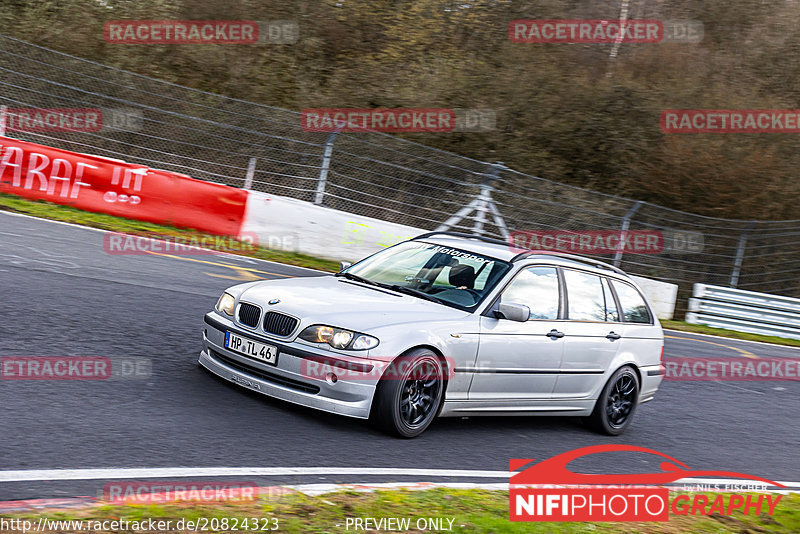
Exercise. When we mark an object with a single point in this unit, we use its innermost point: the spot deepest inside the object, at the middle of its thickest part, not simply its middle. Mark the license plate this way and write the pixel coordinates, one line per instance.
(252, 349)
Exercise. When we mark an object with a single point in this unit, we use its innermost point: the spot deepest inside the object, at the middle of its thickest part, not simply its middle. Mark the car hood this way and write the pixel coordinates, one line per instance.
(345, 303)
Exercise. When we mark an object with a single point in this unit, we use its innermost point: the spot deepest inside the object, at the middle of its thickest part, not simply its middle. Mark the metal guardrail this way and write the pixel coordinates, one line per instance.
(745, 311)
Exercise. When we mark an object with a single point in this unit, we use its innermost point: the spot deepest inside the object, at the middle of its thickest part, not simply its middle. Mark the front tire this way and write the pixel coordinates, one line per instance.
(617, 403)
(409, 394)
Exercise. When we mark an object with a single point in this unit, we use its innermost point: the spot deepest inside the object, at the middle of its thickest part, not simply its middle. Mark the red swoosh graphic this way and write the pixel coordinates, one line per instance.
(554, 470)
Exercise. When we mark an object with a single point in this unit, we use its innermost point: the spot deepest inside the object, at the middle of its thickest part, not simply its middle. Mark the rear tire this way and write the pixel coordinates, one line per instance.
(409, 395)
(617, 403)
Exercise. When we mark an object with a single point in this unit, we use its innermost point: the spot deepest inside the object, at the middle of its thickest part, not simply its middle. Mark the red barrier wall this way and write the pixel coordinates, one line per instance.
(98, 184)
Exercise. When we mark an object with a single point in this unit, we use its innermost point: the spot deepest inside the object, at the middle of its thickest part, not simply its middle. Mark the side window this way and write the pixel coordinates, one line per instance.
(536, 288)
(585, 296)
(612, 314)
(634, 310)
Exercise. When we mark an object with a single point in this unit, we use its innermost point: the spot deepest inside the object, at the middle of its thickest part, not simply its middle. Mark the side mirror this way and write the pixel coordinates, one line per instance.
(514, 312)
(343, 265)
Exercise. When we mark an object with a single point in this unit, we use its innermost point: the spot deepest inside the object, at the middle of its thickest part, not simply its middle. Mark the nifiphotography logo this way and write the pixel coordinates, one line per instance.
(548, 491)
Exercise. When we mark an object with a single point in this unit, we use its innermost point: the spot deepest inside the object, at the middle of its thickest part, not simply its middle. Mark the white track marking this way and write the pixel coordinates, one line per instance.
(321, 489)
(180, 472)
(724, 383)
(50, 475)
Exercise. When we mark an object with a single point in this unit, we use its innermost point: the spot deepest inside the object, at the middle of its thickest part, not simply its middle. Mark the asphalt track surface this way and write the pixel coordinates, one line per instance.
(62, 295)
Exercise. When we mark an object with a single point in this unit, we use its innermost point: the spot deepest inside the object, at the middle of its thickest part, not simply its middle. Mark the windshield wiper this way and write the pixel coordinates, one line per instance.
(356, 278)
(400, 289)
(415, 292)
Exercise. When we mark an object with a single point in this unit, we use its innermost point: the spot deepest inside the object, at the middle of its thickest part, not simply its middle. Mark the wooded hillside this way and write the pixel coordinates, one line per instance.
(567, 112)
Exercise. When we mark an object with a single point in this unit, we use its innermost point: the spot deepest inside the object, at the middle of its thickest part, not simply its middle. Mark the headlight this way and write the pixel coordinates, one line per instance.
(338, 338)
(225, 304)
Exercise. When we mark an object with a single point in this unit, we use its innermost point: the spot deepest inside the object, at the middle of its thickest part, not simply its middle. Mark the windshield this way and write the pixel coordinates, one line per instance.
(451, 276)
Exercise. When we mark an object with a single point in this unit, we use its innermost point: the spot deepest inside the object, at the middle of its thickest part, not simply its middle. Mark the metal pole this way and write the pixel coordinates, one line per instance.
(626, 223)
(484, 201)
(480, 208)
(498, 220)
(455, 219)
(3, 110)
(737, 262)
(623, 17)
(251, 171)
(323, 171)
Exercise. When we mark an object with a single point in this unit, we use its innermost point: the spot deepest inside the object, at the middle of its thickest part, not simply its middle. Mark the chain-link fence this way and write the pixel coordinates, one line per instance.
(243, 144)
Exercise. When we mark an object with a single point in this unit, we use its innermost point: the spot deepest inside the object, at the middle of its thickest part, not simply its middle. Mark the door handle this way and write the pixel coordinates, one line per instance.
(553, 334)
(613, 336)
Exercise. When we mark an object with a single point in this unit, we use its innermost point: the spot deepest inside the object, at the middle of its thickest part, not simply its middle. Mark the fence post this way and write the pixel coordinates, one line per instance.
(323, 171)
(626, 223)
(3, 110)
(251, 171)
(737, 261)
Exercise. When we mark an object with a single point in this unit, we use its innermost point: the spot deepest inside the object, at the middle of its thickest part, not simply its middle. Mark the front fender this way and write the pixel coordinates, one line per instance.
(457, 343)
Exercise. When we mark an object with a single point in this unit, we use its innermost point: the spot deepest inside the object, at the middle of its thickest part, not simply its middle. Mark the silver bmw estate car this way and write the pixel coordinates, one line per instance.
(445, 324)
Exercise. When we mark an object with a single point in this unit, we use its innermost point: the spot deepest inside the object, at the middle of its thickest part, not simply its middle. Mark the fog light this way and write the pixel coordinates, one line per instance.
(331, 378)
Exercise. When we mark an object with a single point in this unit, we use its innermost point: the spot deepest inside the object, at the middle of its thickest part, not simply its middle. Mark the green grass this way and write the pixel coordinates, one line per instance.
(56, 212)
(472, 511)
(702, 329)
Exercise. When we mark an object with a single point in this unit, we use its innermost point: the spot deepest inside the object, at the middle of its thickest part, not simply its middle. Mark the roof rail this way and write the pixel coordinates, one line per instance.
(574, 257)
(525, 254)
(464, 236)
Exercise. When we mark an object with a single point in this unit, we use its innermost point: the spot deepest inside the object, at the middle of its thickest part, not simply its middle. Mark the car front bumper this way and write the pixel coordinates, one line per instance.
(298, 376)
